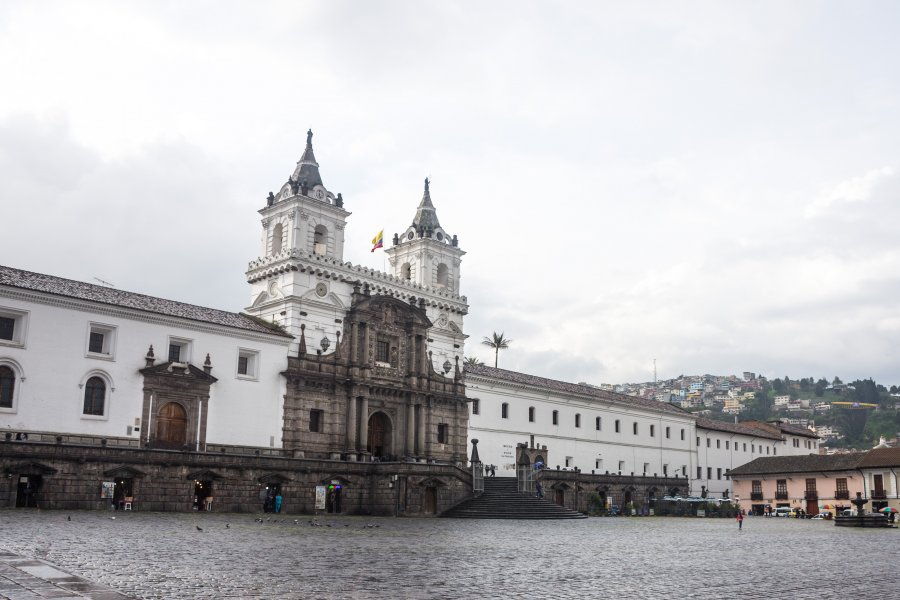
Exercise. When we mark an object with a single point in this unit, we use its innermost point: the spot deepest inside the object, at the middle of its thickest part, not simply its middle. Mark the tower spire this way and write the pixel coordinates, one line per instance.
(426, 216)
(307, 169)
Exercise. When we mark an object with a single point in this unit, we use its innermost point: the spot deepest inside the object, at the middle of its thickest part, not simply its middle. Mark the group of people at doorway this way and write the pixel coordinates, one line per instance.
(271, 500)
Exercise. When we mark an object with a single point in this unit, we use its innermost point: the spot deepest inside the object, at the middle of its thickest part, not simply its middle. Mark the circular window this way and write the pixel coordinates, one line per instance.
(321, 289)
(410, 235)
(440, 236)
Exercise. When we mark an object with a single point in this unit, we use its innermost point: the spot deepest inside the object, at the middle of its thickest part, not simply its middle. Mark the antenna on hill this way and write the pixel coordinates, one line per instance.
(104, 282)
(654, 371)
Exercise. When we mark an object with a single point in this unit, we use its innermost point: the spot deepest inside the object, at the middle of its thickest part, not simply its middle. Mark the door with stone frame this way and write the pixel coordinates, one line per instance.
(171, 426)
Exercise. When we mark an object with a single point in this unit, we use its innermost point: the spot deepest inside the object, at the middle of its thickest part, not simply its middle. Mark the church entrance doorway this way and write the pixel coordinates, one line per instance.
(379, 436)
(171, 426)
(203, 494)
(28, 488)
(123, 494)
(333, 499)
(560, 497)
(430, 505)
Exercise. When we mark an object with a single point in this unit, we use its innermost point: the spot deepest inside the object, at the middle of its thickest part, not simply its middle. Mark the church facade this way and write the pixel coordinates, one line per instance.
(340, 388)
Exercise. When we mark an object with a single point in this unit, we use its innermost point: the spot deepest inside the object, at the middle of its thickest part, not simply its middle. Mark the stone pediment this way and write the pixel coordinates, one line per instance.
(29, 468)
(561, 486)
(340, 479)
(393, 311)
(204, 475)
(179, 370)
(432, 482)
(274, 478)
(124, 472)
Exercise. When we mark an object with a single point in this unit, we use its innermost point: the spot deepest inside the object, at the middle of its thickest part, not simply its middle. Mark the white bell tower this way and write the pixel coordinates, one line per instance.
(302, 240)
(425, 254)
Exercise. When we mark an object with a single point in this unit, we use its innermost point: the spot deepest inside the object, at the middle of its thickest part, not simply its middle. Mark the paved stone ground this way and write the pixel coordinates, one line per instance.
(165, 556)
(31, 579)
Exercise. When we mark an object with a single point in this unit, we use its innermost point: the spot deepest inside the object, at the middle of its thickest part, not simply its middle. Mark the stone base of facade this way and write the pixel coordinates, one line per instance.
(84, 477)
(593, 494)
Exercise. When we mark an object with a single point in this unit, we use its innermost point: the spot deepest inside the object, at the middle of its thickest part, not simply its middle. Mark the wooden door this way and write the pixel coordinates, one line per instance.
(171, 426)
(430, 506)
(379, 434)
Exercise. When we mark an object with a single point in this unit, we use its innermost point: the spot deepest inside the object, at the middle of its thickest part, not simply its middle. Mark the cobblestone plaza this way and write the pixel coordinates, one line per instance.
(154, 555)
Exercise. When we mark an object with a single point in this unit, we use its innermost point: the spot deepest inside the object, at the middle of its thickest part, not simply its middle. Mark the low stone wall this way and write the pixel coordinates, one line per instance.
(70, 476)
(595, 494)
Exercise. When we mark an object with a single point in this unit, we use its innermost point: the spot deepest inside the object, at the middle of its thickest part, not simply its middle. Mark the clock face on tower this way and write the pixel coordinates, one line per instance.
(442, 320)
(321, 290)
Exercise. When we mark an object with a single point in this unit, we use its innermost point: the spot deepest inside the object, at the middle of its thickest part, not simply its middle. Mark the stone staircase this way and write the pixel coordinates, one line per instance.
(501, 500)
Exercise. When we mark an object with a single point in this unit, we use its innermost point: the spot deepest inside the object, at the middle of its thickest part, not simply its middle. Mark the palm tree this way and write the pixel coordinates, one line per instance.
(498, 343)
(472, 360)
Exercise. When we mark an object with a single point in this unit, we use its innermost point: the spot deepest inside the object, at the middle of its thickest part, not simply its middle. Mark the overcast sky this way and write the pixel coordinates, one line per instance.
(714, 185)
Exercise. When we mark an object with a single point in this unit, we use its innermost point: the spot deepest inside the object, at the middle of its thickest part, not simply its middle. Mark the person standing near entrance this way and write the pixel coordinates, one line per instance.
(740, 520)
(278, 502)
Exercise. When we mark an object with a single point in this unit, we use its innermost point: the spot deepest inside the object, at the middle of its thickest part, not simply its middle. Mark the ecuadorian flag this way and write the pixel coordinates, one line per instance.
(378, 241)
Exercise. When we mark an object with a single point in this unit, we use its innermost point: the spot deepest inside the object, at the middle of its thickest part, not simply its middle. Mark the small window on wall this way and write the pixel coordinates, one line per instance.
(248, 361)
(94, 397)
(504, 411)
(476, 406)
(7, 387)
(179, 350)
(653, 431)
(634, 428)
(316, 420)
(406, 272)
(556, 417)
(443, 433)
(577, 420)
(101, 340)
(382, 351)
(618, 426)
(682, 435)
(668, 432)
(597, 423)
(531, 414)
(12, 327)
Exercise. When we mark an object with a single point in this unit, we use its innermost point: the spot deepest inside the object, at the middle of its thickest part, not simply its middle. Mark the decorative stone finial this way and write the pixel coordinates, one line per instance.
(207, 365)
(302, 351)
(270, 199)
(150, 357)
(339, 201)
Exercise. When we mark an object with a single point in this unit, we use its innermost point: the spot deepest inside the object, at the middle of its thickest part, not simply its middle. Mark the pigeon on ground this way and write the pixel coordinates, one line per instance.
(199, 528)
(227, 526)
(68, 518)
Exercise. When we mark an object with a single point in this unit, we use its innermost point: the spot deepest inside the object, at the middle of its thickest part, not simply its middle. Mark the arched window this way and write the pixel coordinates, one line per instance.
(320, 240)
(531, 414)
(504, 411)
(7, 386)
(406, 272)
(277, 234)
(443, 276)
(94, 396)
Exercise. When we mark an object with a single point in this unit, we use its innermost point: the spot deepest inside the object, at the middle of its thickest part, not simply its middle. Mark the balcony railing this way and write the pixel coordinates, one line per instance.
(781, 495)
(842, 495)
(879, 494)
(811, 496)
(756, 495)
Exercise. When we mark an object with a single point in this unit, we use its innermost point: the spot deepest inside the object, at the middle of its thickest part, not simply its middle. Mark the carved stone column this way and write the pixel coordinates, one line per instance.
(410, 429)
(420, 431)
(351, 428)
(364, 424)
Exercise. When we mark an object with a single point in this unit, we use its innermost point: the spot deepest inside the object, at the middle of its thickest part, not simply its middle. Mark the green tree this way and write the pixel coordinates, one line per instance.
(472, 360)
(498, 342)
(821, 384)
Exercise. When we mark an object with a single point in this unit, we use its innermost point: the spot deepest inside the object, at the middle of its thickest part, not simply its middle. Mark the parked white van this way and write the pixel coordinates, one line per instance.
(782, 511)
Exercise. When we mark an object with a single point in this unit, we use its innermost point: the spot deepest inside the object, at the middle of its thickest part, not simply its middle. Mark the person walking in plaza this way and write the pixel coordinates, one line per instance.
(740, 520)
